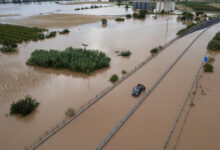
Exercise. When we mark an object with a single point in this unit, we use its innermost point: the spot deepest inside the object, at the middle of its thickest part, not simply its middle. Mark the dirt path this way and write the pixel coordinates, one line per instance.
(90, 128)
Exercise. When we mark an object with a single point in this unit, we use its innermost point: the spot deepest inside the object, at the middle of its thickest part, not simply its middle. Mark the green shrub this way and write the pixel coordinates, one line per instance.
(51, 34)
(6, 49)
(186, 16)
(135, 15)
(104, 21)
(199, 13)
(208, 67)
(125, 53)
(24, 106)
(128, 16)
(65, 31)
(74, 59)
(114, 78)
(142, 14)
(154, 51)
(70, 112)
(123, 71)
(119, 19)
(214, 44)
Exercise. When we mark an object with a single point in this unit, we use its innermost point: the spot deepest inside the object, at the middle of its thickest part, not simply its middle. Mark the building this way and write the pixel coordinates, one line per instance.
(165, 6)
(143, 5)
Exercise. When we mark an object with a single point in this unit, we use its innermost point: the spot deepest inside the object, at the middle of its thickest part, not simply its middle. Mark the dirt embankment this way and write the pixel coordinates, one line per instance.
(57, 20)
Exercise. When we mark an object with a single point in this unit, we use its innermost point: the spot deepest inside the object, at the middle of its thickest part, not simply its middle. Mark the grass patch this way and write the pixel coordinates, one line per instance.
(114, 78)
(200, 6)
(24, 106)
(11, 35)
(119, 19)
(65, 31)
(208, 67)
(74, 59)
(214, 44)
(125, 53)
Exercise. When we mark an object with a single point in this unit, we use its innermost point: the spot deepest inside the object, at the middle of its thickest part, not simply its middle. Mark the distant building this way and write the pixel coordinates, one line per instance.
(165, 6)
(143, 5)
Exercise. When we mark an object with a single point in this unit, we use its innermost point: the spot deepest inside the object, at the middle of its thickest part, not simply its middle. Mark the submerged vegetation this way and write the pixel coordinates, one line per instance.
(114, 78)
(65, 31)
(6, 49)
(51, 34)
(140, 15)
(186, 16)
(119, 19)
(154, 51)
(180, 32)
(74, 59)
(11, 35)
(214, 44)
(70, 112)
(104, 21)
(24, 106)
(208, 67)
(128, 16)
(125, 53)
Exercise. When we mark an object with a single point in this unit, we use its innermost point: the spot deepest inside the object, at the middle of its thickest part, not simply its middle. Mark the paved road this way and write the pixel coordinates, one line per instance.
(90, 128)
(149, 126)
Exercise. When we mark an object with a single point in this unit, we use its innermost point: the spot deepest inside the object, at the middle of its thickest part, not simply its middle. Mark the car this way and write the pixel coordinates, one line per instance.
(138, 89)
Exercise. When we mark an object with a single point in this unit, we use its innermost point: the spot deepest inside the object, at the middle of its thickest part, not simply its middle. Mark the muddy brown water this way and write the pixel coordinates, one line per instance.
(58, 90)
(94, 124)
(201, 128)
(150, 124)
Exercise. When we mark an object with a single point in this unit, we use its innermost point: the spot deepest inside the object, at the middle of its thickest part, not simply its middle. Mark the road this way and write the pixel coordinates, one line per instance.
(91, 127)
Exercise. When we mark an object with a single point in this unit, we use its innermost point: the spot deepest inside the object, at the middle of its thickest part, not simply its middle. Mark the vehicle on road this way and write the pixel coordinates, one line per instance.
(138, 89)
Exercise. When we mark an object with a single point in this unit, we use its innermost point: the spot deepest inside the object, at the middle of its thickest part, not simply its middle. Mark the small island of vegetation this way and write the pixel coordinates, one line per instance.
(208, 67)
(24, 106)
(65, 31)
(119, 19)
(125, 53)
(74, 59)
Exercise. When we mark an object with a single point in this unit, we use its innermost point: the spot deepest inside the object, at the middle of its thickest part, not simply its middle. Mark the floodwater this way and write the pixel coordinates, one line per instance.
(150, 124)
(58, 90)
(201, 130)
(198, 126)
(41, 8)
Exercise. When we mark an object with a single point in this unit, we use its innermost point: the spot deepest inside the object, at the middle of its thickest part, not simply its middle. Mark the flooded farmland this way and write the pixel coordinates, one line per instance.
(58, 90)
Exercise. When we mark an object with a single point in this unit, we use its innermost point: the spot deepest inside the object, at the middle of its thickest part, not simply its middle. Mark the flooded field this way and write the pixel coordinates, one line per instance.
(58, 90)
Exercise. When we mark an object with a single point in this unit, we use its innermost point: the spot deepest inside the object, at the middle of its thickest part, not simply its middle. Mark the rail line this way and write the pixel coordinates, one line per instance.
(107, 138)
